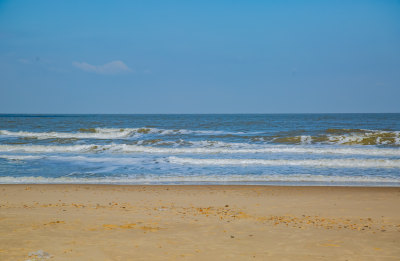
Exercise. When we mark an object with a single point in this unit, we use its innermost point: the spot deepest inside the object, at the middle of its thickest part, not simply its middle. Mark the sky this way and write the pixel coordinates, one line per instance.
(199, 56)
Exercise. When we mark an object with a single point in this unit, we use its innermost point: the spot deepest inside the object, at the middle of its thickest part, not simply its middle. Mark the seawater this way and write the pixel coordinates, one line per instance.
(275, 149)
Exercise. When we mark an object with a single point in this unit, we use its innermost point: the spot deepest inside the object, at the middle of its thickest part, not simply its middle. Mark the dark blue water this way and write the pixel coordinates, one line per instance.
(288, 149)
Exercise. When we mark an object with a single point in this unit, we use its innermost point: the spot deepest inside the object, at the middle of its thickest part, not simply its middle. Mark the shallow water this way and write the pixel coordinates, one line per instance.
(284, 149)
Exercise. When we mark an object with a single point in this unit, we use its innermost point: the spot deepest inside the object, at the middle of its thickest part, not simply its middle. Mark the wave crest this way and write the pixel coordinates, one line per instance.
(346, 137)
(330, 163)
(199, 148)
(109, 133)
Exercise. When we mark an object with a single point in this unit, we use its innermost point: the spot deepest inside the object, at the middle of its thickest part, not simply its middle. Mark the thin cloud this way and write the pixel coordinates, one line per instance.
(114, 67)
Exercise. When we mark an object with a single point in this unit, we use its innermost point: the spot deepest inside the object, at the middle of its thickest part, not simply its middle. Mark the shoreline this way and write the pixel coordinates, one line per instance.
(197, 222)
(249, 184)
(198, 185)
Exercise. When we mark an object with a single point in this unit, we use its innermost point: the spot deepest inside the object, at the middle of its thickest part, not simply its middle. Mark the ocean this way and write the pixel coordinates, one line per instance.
(258, 149)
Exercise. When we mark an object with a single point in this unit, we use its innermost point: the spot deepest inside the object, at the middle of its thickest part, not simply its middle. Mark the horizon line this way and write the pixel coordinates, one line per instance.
(196, 113)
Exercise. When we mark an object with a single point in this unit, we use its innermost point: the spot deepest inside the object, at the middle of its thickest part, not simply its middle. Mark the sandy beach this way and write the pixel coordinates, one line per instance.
(110, 222)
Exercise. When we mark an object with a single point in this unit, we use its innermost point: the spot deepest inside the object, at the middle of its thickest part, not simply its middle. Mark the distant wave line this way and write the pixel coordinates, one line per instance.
(316, 163)
(325, 163)
(200, 148)
(110, 133)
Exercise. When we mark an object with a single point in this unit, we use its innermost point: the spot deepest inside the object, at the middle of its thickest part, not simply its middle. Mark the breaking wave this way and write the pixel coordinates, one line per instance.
(96, 134)
(346, 137)
(329, 136)
(200, 148)
(316, 163)
(108, 133)
(108, 160)
(323, 163)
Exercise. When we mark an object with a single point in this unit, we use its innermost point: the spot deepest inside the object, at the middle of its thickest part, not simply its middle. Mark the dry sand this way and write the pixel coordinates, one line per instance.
(105, 222)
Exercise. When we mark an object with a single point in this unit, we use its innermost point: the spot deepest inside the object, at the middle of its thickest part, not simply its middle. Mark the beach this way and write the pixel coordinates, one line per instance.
(167, 222)
(199, 130)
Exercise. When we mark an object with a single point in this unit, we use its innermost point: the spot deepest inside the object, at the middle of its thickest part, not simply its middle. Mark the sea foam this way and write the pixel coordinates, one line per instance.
(217, 179)
(110, 133)
(316, 163)
(201, 148)
(332, 163)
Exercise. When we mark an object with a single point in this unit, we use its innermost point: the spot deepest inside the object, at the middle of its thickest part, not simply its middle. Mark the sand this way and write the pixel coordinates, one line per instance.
(107, 222)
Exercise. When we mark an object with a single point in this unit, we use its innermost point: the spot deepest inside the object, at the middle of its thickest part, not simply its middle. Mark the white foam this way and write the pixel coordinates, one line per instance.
(48, 148)
(99, 134)
(157, 179)
(198, 148)
(108, 160)
(20, 157)
(256, 149)
(331, 163)
(357, 138)
(110, 133)
(323, 163)
(305, 139)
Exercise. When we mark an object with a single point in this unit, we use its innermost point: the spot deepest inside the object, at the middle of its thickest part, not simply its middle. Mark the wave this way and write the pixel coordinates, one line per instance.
(109, 133)
(108, 160)
(96, 134)
(217, 179)
(329, 136)
(317, 163)
(346, 137)
(199, 148)
(20, 157)
(48, 148)
(323, 163)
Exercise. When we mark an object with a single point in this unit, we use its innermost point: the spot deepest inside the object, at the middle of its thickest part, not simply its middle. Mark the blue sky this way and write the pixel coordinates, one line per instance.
(199, 56)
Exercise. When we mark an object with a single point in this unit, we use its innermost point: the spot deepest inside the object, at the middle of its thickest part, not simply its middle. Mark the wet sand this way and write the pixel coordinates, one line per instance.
(107, 222)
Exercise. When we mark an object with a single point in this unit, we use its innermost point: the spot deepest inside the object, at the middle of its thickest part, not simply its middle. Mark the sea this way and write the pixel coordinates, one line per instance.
(254, 149)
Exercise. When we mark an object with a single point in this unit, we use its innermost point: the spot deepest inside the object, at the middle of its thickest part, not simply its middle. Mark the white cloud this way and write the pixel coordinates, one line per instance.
(113, 67)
